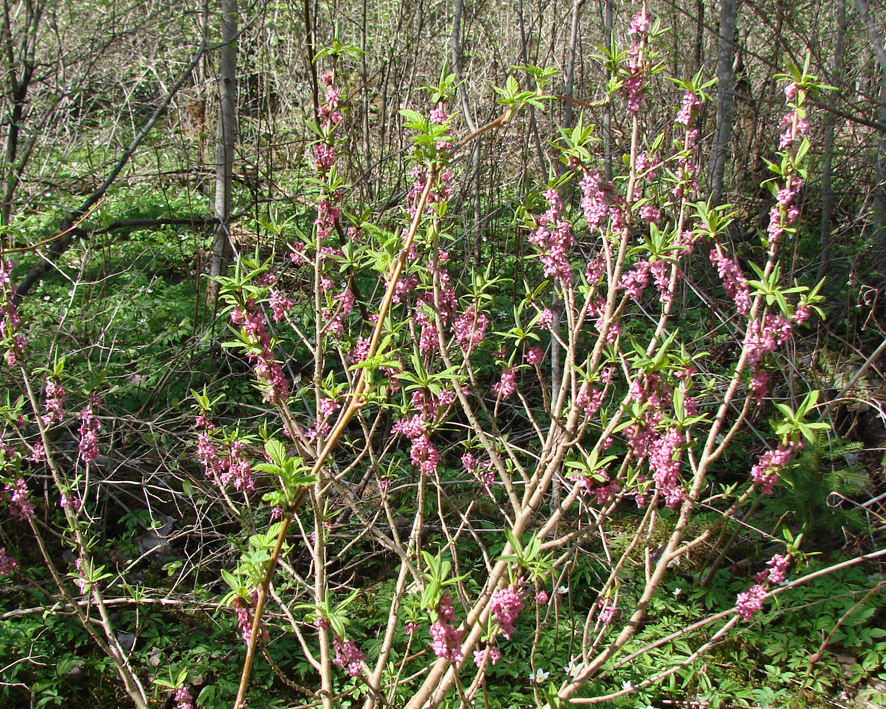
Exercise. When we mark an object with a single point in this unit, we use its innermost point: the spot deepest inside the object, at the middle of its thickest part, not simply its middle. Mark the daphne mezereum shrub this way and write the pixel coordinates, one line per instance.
(528, 474)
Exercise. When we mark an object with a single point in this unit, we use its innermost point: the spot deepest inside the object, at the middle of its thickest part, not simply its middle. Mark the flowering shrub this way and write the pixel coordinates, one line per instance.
(528, 437)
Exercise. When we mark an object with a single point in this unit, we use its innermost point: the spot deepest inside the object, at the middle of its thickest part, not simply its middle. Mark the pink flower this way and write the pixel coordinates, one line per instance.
(593, 199)
(7, 563)
(546, 319)
(778, 567)
(506, 604)
(607, 613)
(508, 384)
(733, 281)
(764, 474)
(491, 652)
(89, 427)
(348, 656)
(445, 639)
(280, 304)
(469, 329)
(183, 698)
(534, 356)
(55, 401)
(691, 103)
(553, 239)
(750, 602)
(438, 115)
(639, 23)
(20, 506)
(542, 598)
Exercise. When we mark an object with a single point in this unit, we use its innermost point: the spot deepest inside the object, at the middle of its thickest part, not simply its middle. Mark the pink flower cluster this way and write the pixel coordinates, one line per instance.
(534, 356)
(245, 617)
(506, 604)
(664, 462)
(231, 464)
(272, 381)
(423, 454)
(7, 563)
(787, 138)
(750, 602)
(733, 281)
(482, 471)
(445, 638)
(328, 111)
(11, 338)
(635, 85)
(18, 499)
(347, 655)
(777, 571)
(764, 474)
(766, 336)
(607, 613)
(280, 304)
(490, 653)
(553, 238)
(594, 204)
(183, 698)
(507, 386)
(784, 212)
(591, 399)
(691, 104)
(89, 428)
(54, 404)
(469, 329)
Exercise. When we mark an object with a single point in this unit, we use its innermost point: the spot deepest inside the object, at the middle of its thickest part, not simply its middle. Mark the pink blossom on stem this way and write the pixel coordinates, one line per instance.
(553, 239)
(593, 199)
(445, 638)
(777, 571)
(750, 602)
(490, 653)
(348, 656)
(607, 613)
(534, 356)
(470, 329)
(508, 384)
(280, 304)
(691, 103)
(764, 474)
(54, 404)
(183, 698)
(20, 505)
(506, 604)
(733, 281)
(89, 428)
(7, 563)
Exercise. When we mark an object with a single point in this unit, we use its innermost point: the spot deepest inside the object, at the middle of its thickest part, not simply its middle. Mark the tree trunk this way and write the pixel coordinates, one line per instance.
(607, 109)
(827, 194)
(224, 148)
(725, 99)
(876, 255)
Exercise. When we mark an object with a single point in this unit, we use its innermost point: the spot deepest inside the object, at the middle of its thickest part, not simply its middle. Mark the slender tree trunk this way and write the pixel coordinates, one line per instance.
(19, 70)
(607, 109)
(699, 34)
(879, 193)
(725, 99)
(570, 65)
(827, 194)
(224, 148)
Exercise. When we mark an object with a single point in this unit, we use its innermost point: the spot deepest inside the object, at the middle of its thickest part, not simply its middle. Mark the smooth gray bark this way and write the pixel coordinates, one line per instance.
(227, 134)
(879, 192)
(827, 194)
(725, 99)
